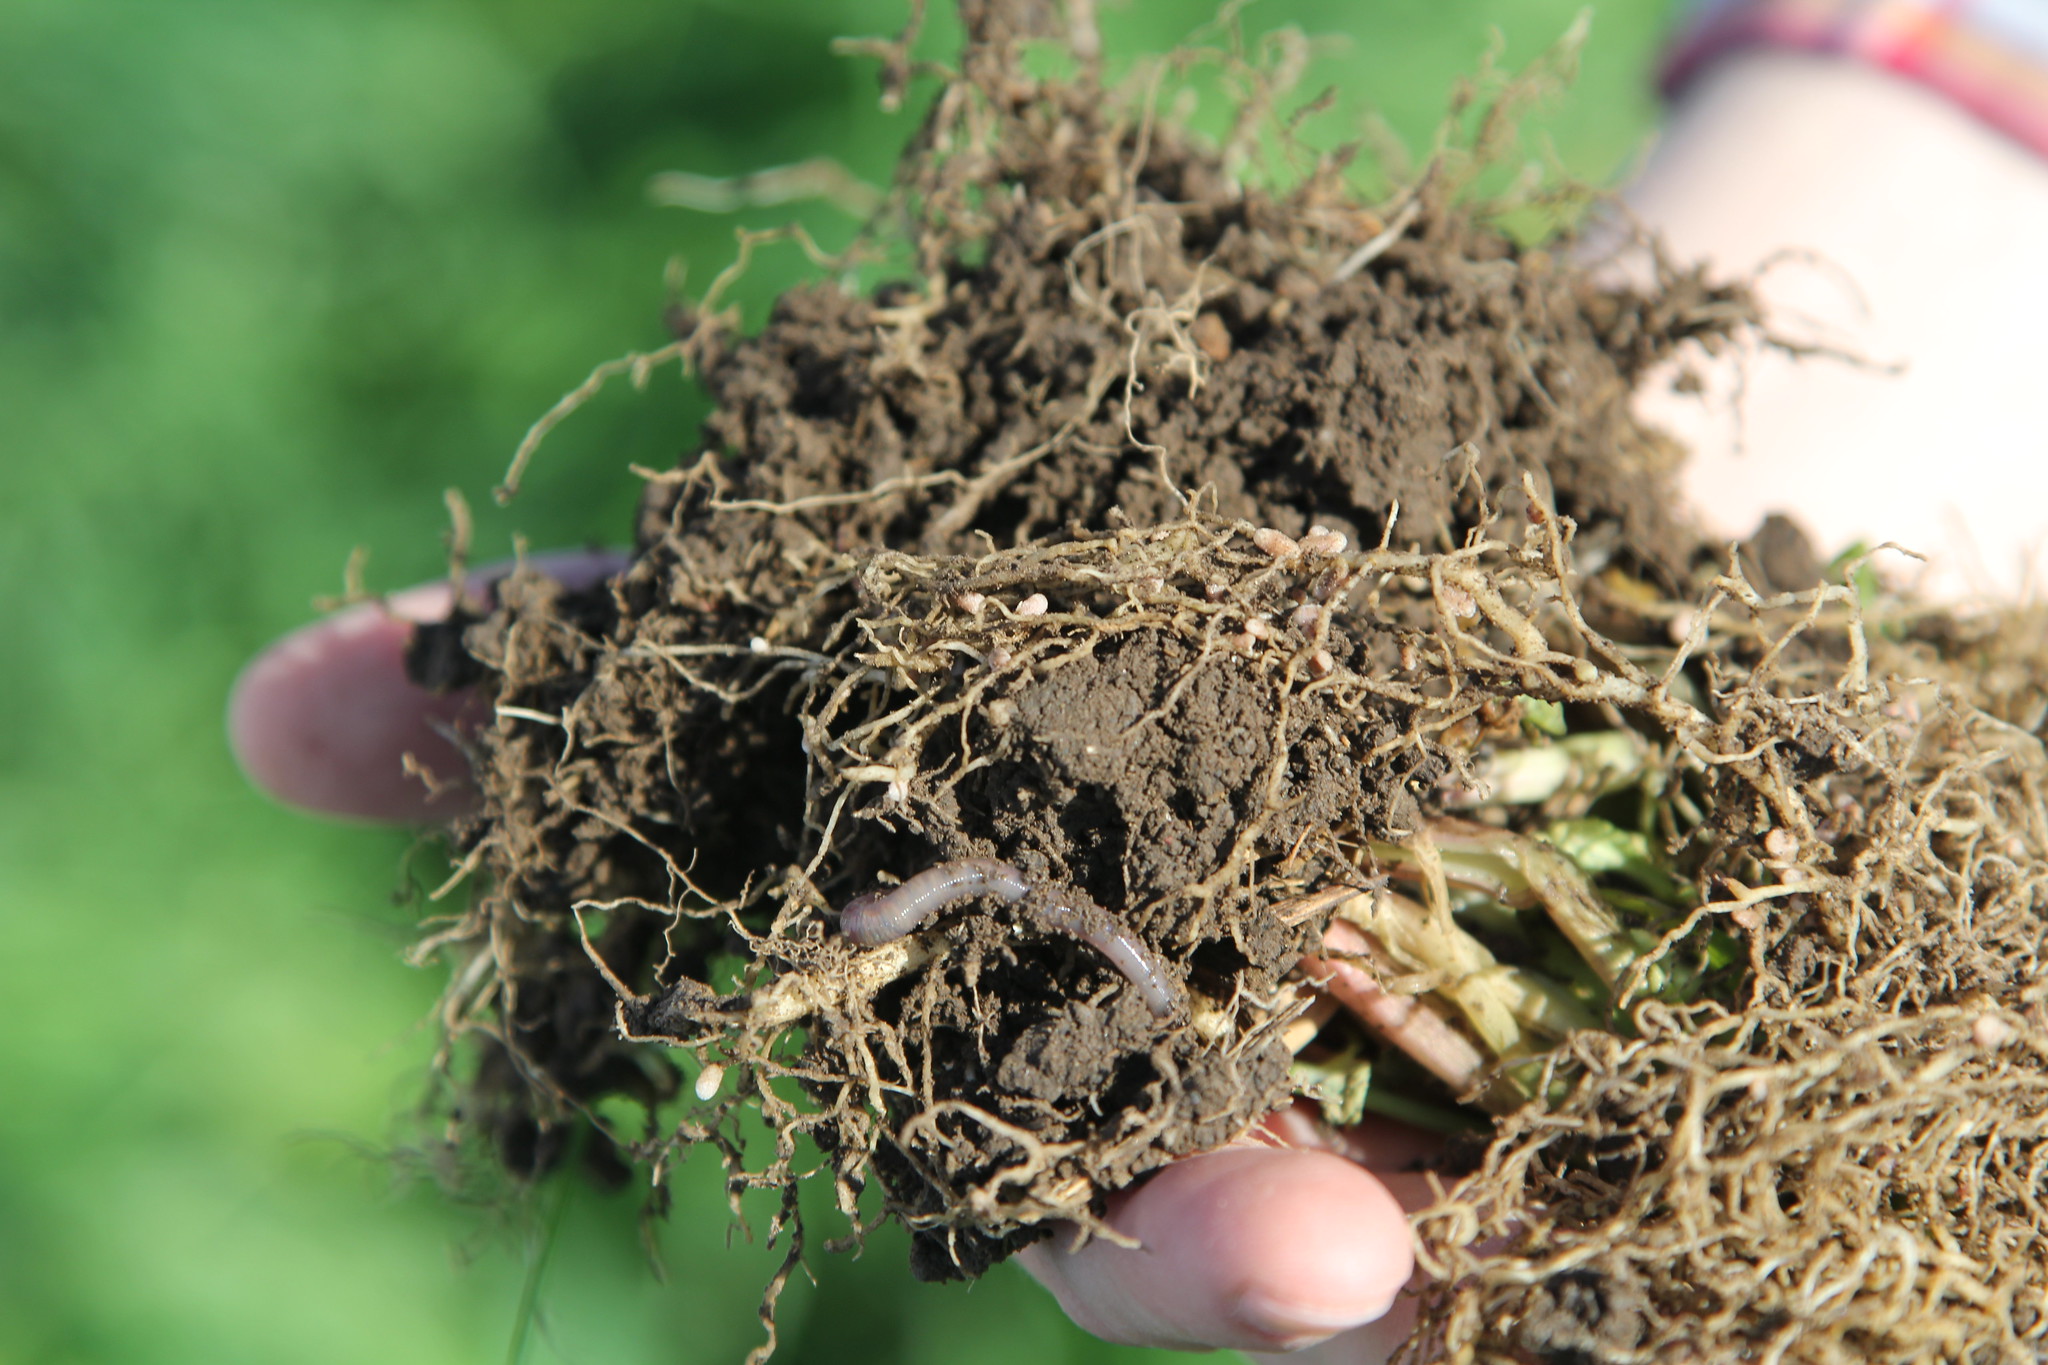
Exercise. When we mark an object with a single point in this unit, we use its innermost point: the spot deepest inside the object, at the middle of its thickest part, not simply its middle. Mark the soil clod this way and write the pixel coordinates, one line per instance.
(1138, 585)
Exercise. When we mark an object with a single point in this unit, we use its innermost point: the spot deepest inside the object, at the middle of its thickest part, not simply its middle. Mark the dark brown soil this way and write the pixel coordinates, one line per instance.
(1121, 340)
(1061, 552)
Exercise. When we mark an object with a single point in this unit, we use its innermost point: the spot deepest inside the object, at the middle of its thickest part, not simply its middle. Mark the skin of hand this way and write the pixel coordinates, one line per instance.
(1297, 1238)
(323, 718)
(1921, 231)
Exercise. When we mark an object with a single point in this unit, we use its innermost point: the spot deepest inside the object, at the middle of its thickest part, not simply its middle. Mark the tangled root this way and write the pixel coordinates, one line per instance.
(1085, 550)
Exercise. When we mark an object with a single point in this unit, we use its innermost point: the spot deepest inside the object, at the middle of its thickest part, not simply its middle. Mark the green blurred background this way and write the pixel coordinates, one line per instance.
(272, 274)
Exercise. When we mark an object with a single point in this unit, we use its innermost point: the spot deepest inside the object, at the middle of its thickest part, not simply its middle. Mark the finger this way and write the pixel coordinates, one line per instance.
(325, 717)
(1396, 1154)
(1254, 1248)
(1373, 1344)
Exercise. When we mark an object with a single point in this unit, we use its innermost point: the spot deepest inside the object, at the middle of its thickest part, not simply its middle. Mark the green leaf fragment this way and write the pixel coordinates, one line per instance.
(1863, 578)
(1544, 717)
(1599, 847)
(1339, 1085)
(1431, 1118)
(1342, 1087)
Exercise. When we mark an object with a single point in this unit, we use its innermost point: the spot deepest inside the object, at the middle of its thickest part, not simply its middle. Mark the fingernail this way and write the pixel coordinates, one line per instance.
(1289, 1324)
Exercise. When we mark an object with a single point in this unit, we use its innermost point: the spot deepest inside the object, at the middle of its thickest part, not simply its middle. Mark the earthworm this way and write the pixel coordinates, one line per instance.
(886, 915)
(1125, 951)
(883, 916)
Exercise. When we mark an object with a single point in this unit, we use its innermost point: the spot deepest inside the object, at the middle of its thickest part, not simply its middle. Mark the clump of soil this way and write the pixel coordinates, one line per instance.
(1186, 546)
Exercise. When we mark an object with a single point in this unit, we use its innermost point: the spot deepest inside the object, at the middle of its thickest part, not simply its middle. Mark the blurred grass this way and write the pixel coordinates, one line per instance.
(271, 276)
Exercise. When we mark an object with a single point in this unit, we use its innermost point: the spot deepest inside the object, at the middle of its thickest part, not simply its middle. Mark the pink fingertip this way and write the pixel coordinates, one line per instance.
(1250, 1248)
(324, 718)
(1372, 1344)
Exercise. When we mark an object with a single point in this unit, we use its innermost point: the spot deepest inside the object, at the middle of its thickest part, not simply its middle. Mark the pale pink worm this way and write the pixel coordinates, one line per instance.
(886, 915)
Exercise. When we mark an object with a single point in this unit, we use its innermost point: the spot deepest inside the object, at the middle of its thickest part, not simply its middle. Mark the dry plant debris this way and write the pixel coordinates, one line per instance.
(1230, 562)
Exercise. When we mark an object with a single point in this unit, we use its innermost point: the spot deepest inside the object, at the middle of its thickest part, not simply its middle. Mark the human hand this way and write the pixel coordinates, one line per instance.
(325, 718)
(1297, 1238)
(1904, 231)
(1297, 1242)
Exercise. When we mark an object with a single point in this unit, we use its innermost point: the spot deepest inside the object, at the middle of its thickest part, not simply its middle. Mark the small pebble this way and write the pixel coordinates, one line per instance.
(1322, 663)
(1246, 644)
(1278, 544)
(999, 658)
(1990, 1031)
(1212, 336)
(1305, 616)
(1780, 843)
(1258, 629)
(1034, 605)
(1459, 601)
(969, 602)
